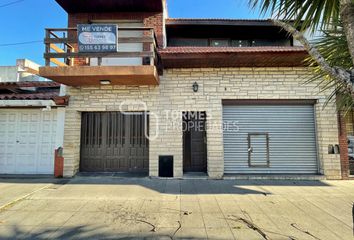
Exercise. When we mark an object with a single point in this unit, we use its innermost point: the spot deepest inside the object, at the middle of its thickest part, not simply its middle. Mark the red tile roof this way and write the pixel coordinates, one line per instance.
(219, 21)
(42, 91)
(30, 96)
(46, 84)
(206, 50)
(216, 19)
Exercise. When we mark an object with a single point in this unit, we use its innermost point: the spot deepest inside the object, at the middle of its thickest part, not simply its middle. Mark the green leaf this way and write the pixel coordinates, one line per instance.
(334, 48)
(312, 14)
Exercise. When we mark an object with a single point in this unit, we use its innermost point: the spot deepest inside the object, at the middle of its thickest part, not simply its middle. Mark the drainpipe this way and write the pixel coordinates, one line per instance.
(62, 91)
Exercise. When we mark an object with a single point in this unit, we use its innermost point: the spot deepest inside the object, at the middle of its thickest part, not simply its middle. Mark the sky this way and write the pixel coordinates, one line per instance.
(25, 21)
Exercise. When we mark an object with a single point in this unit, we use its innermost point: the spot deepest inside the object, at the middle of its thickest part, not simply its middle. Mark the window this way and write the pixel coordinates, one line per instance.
(349, 123)
(240, 43)
(225, 42)
(188, 42)
(219, 42)
(124, 47)
(270, 42)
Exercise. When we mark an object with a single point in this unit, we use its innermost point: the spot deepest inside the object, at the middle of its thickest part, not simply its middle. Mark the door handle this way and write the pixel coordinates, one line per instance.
(250, 150)
(17, 141)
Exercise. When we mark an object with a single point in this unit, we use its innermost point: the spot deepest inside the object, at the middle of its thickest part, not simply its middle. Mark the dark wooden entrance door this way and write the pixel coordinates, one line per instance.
(194, 142)
(351, 166)
(114, 142)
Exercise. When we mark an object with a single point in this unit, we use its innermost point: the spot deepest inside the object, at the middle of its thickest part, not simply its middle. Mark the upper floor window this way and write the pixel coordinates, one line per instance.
(219, 42)
(271, 42)
(123, 32)
(240, 43)
(189, 42)
(225, 42)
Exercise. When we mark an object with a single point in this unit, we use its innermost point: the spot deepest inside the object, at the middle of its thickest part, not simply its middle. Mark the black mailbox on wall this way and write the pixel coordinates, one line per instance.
(165, 166)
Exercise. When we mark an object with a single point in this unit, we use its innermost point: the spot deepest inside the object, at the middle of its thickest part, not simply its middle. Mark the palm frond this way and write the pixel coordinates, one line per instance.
(312, 14)
(334, 48)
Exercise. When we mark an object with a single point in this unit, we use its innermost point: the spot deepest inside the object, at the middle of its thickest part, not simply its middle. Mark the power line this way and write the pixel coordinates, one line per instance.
(19, 43)
(11, 3)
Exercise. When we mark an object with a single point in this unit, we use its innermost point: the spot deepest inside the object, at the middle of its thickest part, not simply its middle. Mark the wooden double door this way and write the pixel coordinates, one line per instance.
(194, 142)
(114, 142)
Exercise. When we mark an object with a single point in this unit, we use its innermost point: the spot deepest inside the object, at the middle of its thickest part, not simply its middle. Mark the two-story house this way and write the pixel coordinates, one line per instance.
(224, 97)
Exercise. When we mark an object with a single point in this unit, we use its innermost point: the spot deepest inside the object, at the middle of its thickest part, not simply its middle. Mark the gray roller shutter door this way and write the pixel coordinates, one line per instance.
(290, 130)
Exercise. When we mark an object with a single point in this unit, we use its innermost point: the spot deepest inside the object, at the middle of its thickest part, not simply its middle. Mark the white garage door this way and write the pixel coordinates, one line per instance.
(27, 141)
(270, 139)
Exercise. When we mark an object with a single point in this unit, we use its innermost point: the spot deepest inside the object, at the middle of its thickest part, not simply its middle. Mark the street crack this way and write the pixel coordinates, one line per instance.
(179, 227)
(294, 225)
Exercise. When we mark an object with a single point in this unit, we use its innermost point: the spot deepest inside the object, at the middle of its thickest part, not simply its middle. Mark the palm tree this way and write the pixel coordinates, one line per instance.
(332, 55)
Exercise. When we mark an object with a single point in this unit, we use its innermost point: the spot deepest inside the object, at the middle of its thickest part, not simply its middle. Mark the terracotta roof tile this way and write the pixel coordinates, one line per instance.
(47, 84)
(30, 96)
(203, 50)
(216, 19)
(45, 90)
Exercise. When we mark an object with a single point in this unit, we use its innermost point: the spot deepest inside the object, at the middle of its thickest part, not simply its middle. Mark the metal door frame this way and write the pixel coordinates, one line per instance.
(205, 168)
(250, 152)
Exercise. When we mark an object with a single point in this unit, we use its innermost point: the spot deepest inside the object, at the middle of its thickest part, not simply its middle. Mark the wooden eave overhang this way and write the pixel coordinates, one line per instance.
(192, 57)
(94, 6)
(93, 75)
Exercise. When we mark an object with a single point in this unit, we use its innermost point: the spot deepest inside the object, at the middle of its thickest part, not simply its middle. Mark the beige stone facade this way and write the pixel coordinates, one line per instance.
(175, 94)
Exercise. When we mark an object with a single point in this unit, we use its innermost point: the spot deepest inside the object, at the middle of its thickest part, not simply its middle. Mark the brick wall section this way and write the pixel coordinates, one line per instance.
(343, 145)
(175, 93)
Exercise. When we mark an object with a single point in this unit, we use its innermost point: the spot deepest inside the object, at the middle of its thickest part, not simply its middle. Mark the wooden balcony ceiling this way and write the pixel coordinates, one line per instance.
(92, 75)
(190, 57)
(77, 6)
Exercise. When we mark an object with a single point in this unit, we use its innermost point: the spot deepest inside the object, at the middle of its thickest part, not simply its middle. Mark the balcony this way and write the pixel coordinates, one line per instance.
(136, 62)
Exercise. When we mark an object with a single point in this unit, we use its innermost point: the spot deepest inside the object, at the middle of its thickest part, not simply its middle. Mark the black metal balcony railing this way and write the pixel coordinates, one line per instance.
(61, 47)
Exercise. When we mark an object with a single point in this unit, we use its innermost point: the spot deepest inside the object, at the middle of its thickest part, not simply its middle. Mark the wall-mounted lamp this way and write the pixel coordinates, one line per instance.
(336, 149)
(195, 87)
(105, 82)
(330, 149)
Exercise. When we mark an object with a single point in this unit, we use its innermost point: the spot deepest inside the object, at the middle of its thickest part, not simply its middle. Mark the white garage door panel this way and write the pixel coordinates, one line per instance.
(27, 141)
(292, 139)
(7, 142)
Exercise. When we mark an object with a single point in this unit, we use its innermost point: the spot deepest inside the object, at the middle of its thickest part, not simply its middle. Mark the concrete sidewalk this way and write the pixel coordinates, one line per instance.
(12, 189)
(142, 208)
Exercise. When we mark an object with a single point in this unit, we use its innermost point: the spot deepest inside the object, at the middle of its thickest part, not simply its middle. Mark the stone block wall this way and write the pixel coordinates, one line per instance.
(175, 95)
